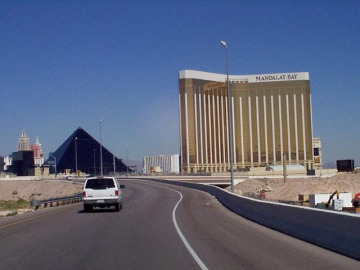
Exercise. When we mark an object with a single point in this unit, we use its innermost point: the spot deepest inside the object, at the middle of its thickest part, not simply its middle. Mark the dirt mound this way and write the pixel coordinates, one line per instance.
(36, 189)
(278, 190)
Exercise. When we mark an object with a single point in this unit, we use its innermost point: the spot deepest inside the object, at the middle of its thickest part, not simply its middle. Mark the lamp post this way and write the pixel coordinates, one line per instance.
(231, 155)
(127, 161)
(55, 163)
(114, 164)
(101, 161)
(76, 164)
(94, 162)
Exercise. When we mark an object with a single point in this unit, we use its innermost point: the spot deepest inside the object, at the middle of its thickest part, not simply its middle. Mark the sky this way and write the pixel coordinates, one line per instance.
(68, 64)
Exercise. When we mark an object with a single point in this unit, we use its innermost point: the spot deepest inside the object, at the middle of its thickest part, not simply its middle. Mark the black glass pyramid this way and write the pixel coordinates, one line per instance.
(84, 150)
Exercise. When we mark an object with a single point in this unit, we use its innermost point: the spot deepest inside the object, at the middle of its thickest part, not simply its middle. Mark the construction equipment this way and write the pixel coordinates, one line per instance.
(356, 200)
(331, 197)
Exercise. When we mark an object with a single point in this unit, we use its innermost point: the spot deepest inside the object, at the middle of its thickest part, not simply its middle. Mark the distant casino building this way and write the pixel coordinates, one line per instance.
(166, 164)
(271, 114)
(80, 152)
(38, 155)
(23, 142)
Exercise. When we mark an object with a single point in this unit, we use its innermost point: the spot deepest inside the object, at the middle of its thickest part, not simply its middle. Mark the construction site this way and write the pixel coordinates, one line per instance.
(333, 191)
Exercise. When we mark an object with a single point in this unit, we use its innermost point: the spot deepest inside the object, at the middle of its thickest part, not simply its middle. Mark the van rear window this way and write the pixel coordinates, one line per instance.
(100, 183)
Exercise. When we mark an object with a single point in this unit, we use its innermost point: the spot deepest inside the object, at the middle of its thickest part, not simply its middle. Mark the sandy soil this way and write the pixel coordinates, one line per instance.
(344, 182)
(290, 191)
(36, 189)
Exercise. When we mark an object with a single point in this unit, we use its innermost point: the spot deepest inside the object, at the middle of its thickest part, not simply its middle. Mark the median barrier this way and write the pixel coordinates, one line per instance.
(336, 231)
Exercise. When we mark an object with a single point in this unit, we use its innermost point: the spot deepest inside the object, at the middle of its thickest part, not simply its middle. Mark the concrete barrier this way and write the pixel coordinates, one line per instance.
(336, 231)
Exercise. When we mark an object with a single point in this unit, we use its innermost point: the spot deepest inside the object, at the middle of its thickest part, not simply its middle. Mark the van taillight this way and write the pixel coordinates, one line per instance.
(84, 194)
(116, 193)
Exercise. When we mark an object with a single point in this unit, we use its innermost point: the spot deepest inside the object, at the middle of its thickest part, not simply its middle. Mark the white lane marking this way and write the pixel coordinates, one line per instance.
(182, 237)
(186, 243)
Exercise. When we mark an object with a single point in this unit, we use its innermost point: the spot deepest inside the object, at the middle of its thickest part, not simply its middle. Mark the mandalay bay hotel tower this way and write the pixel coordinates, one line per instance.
(271, 121)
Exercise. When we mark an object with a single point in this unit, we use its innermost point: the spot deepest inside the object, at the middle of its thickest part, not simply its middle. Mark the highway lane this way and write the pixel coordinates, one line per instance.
(143, 236)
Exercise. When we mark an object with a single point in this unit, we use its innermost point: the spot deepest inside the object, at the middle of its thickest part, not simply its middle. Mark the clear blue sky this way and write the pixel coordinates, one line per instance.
(66, 64)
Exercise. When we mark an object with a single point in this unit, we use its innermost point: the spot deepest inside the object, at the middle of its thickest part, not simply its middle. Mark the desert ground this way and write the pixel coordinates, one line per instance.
(14, 189)
(295, 186)
(36, 189)
(277, 189)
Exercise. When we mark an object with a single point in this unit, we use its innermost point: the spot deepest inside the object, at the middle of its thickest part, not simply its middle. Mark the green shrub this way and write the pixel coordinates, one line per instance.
(13, 213)
(13, 205)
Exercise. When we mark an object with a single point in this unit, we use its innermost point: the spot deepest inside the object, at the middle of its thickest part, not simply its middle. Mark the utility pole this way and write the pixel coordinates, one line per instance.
(284, 168)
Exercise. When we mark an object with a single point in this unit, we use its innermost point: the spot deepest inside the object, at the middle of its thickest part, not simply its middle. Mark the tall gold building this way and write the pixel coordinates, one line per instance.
(271, 114)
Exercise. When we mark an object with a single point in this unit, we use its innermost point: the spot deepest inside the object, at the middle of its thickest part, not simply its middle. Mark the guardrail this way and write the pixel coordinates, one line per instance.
(339, 232)
(57, 201)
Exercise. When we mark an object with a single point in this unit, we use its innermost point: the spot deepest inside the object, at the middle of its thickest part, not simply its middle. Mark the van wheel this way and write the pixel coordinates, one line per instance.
(117, 207)
(88, 208)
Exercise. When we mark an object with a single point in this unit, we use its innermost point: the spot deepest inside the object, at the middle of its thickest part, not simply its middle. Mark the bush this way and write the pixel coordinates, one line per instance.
(13, 213)
(13, 205)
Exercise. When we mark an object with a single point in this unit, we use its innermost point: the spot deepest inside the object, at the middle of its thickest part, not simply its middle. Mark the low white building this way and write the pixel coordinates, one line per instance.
(7, 162)
(165, 164)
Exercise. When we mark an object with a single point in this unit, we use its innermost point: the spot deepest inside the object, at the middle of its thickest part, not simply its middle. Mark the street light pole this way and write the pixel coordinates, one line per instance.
(76, 165)
(230, 127)
(127, 161)
(101, 161)
(94, 162)
(55, 163)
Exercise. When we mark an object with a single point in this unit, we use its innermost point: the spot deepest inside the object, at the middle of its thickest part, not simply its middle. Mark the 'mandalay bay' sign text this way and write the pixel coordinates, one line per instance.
(279, 77)
(276, 77)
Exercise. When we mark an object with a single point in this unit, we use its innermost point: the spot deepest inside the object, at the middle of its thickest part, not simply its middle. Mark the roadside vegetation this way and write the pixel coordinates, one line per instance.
(13, 206)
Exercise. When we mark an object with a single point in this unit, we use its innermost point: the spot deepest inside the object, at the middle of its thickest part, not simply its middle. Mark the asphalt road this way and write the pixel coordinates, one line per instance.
(160, 227)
